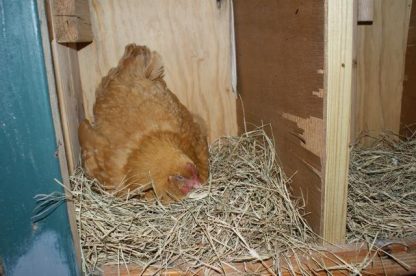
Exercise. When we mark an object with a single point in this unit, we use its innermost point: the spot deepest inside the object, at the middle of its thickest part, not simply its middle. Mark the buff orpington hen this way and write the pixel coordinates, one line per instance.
(142, 136)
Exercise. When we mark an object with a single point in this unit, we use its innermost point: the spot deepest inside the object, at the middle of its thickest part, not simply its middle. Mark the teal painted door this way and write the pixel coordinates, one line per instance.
(28, 164)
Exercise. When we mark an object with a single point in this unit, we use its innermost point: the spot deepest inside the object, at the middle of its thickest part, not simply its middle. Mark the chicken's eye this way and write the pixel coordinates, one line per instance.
(180, 178)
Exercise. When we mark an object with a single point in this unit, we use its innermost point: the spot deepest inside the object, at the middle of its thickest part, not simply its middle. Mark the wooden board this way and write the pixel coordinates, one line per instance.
(380, 69)
(402, 262)
(408, 113)
(193, 38)
(340, 51)
(280, 66)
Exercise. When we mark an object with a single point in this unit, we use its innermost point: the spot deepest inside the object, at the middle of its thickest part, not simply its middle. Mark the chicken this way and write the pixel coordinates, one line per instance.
(142, 133)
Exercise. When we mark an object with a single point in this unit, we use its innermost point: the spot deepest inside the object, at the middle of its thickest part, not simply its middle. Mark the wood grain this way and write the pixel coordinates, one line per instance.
(193, 38)
(381, 51)
(329, 256)
(408, 113)
(340, 51)
(71, 21)
(280, 61)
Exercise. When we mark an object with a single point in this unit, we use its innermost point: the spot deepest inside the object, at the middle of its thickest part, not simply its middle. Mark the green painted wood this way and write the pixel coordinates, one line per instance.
(28, 164)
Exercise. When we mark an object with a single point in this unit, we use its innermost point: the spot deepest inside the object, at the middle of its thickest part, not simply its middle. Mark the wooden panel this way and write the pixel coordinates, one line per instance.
(193, 38)
(341, 22)
(408, 116)
(71, 21)
(380, 68)
(280, 62)
(374, 263)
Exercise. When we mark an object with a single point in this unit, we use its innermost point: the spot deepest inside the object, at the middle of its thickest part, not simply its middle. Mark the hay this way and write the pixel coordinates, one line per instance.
(382, 190)
(244, 213)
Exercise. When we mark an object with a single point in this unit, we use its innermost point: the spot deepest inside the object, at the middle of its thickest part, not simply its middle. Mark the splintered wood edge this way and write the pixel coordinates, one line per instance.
(398, 258)
(340, 32)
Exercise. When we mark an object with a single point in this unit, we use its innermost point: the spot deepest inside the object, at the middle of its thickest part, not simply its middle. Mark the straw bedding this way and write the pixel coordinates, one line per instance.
(243, 213)
(382, 190)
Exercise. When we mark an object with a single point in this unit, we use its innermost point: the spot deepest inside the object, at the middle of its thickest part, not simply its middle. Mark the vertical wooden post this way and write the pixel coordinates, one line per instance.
(340, 30)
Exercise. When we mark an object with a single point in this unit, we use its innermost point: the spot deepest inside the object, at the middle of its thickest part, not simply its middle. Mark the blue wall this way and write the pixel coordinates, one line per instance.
(28, 163)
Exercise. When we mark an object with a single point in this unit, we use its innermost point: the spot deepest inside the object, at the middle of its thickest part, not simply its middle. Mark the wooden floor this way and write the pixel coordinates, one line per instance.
(385, 258)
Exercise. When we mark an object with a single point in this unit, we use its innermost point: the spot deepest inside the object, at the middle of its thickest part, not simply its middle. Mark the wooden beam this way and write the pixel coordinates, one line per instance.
(398, 258)
(71, 21)
(341, 18)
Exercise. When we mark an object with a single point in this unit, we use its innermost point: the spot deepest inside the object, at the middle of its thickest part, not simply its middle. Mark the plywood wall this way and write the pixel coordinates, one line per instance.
(194, 40)
(280, 65)
(381, 49)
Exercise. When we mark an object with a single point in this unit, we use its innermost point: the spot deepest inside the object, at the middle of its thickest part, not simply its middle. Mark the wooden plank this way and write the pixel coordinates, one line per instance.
(402, 261)
(408, 113)
(71, 21)
(193, 38)
(280, 62)
(380, 69)
(56, 116)
(341, 22)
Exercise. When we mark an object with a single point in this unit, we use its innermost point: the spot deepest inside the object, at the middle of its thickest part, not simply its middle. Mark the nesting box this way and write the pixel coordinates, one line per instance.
(305, 67)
